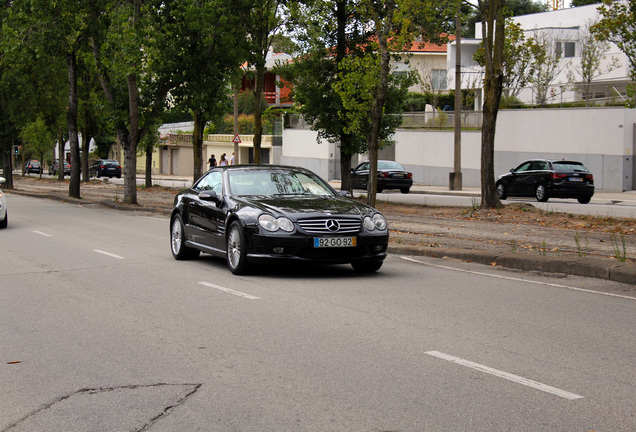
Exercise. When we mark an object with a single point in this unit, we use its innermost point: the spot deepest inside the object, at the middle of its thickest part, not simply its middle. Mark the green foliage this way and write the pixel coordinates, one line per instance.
(618, 25)
(576, 3)
(414, 102)
(37, 138)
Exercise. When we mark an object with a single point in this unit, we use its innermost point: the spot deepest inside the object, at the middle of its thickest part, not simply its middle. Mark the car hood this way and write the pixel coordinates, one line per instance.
(303, 206)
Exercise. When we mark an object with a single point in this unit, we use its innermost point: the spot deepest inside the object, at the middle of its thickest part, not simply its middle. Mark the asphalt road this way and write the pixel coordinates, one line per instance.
(101, 329)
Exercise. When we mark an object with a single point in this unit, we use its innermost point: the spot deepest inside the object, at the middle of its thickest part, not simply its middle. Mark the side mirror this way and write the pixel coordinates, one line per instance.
(210, 196)
(2, 180)
(512, 170)
(345, 193)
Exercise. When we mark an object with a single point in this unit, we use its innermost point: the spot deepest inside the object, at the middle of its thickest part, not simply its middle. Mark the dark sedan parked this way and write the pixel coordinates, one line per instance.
(33, 166)
(105, 168)
(259, 214)
(544, 179)
(55, 168)
(391, 175)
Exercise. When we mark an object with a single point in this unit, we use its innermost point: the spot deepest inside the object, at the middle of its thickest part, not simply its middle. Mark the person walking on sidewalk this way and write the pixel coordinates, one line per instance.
(212, 161)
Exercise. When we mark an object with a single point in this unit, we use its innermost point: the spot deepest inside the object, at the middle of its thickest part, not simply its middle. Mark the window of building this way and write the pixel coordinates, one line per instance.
(565, 49)
(438, 79)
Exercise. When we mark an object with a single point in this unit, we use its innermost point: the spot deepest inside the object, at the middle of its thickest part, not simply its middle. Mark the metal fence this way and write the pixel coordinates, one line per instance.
(417, 120)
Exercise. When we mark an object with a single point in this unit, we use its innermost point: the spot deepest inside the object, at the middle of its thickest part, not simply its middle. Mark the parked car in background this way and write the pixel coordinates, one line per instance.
(261, 214)
(545, 179)
(55, 168)
(33, 166)
(105, 168)
(4, 218)
(391, 175)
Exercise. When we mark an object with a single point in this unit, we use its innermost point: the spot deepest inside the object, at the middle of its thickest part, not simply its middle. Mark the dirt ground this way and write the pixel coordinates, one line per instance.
(519, 228)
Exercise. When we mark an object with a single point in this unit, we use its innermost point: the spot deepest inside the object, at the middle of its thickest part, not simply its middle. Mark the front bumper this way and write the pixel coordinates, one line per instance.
(300, 247)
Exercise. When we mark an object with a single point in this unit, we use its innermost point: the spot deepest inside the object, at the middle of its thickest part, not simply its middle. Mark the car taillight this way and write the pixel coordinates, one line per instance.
(409, 175)
(557, 175)
(589, 177)
(383, 175)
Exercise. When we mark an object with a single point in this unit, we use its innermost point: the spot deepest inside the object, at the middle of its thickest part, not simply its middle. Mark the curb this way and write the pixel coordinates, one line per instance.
(598, 268)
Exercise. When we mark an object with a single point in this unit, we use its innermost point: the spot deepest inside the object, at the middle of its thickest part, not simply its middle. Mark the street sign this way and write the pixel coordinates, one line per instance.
(237, 139)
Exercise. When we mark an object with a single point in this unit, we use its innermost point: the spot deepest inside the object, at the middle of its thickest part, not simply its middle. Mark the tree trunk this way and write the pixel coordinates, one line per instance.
(345, 164)
(7, 168)
(149, 149)
(377, 108)
(71, 120)
(258, 120)
(61, 156)
(130, 145)
(86, 139)
(197, 143)
(493, 85)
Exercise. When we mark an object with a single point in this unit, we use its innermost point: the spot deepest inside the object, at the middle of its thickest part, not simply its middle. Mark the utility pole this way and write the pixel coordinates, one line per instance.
(455, 180)
(236, 125)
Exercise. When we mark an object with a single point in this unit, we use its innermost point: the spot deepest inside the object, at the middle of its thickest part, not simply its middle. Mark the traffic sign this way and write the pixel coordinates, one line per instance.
(237, 139)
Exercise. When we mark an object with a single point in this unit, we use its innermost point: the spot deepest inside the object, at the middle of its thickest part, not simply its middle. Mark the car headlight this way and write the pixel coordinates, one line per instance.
(376, 222)
(270, 223)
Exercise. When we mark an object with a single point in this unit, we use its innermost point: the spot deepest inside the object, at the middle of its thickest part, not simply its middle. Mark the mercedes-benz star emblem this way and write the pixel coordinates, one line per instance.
(332, 225)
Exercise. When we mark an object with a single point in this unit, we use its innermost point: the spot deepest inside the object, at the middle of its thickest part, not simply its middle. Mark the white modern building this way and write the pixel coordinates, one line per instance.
(563, 32)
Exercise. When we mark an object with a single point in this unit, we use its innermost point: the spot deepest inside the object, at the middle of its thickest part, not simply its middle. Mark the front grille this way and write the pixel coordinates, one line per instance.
(330, 225)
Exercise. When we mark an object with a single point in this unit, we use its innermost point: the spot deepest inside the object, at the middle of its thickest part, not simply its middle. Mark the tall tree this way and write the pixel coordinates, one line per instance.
(136, 60)
(212, 56)
(592, 56)
(494, 21)
(50, 33)
(37, 138)
(618, 25)
(520, 58)
(263, 24)
(328, 32)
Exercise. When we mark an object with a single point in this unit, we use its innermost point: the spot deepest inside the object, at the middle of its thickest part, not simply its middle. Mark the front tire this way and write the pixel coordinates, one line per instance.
(541, 193)
(366, 266)
(236, 249)
(501, 191)
(177, 241)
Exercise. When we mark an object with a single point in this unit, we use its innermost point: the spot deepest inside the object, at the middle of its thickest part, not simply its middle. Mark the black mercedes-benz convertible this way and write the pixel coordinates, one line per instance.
(258, 214)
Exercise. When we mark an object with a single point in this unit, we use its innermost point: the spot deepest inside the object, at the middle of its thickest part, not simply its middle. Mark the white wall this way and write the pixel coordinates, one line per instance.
(601, 138)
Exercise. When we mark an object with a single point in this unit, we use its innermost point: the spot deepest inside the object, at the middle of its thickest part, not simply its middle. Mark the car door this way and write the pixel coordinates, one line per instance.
(206, 216)
(360, 175)
(538, 174)
(517, 182)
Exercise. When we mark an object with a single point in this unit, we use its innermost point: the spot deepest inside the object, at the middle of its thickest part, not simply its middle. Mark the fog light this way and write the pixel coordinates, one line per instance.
(279, 249)
(377, 248)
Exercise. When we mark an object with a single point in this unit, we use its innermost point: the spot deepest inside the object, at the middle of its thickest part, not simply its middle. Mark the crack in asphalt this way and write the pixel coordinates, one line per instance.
(166, 410)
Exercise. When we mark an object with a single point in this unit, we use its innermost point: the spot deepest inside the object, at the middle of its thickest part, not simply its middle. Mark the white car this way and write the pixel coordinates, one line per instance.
(3, 208)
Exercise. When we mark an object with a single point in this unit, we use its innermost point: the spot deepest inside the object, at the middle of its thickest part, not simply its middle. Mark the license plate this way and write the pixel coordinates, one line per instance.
(328, 242)
(398, 175)
(576, 179)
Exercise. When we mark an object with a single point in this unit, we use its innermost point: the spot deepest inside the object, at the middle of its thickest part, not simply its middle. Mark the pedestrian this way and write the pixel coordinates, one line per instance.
(212, 161)
(232, 159)
(223, 160)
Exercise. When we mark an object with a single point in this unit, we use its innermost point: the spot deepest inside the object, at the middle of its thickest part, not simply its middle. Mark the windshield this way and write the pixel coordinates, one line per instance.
(569, 166)
(389, 165)
(276, 182)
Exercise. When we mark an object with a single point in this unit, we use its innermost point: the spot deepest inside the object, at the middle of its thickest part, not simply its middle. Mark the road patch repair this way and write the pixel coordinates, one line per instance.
(131, 408)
